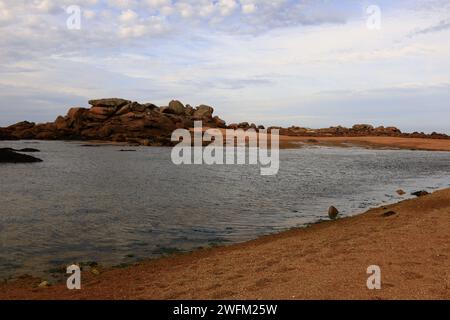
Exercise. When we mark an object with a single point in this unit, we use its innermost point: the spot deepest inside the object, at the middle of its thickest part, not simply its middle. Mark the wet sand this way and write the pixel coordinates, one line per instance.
(325, 261)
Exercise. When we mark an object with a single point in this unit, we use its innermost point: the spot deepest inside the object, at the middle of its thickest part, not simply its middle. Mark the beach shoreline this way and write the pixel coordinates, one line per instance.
(370, 142)
(295, 142)
(327, 260)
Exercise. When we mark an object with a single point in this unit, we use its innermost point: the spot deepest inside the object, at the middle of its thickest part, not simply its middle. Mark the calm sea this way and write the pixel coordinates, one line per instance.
(99, 204)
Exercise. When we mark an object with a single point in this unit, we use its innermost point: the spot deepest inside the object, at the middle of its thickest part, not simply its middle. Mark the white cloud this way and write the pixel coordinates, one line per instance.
(158, 3)
(227, 7)
(122, 4)
(128, 16)
(248, 58)
(248, 8)
(89, 14)
(185, 9)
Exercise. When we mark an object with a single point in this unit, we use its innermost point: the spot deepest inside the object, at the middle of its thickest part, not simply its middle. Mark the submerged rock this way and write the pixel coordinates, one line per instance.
(400, 192)
(8, 155)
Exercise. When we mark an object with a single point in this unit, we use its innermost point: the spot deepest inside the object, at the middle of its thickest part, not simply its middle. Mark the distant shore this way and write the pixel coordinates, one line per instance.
(372, 142)
(328, 260)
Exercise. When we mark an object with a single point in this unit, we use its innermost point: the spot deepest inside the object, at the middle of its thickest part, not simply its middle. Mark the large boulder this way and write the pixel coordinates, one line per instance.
(103, 111)
(75, 117)
(109, 103)
(61, 123)
(24, 125)
(392, 130)
(189, 111)
(362, 127)
(5, 134)
(73, 113)
(243, 125)
(203, 112)
(219, 122)
(175, 107)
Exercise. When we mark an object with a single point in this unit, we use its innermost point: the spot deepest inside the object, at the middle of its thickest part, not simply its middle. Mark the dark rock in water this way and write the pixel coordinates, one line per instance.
(91, 145)
(400, 192)
(22, 150)
(420, 193)
(127, 150)
(28, 150)
(9, 156)
(389, 213)
(333, 212)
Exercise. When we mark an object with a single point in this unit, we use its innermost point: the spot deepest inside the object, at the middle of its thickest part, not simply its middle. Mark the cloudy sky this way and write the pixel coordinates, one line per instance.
(272, 62)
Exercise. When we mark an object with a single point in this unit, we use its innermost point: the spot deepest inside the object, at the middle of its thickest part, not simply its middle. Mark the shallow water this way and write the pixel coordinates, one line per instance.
(99, 204)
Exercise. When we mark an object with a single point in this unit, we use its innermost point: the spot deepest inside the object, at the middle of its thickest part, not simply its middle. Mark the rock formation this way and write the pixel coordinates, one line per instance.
(117, 120)
(358, 130)
(123, 120)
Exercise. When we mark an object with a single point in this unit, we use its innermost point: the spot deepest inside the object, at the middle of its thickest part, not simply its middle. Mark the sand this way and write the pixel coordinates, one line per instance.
(372, 142)
(368, 142)
(325, 261)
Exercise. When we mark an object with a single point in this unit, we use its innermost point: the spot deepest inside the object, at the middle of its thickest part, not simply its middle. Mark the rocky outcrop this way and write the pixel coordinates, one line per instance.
(117, 120)
(123, 120)
(358, 130)
(8, 155)
(175, 107)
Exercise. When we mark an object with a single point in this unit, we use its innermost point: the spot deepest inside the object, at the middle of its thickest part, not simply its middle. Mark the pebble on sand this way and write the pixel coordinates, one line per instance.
(333, 212)
(389, 213)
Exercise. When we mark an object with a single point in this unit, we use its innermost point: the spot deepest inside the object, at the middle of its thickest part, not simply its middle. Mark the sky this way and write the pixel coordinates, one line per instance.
(281, 62)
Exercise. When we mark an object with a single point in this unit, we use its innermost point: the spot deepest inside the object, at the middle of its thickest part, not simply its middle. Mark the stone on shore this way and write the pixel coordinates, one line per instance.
(421, 193)
(389, 213)
(333, 212)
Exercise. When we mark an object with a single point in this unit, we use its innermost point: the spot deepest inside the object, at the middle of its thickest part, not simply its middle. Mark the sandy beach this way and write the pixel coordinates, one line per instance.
(372, 142)
(368, 142)
(328, 260)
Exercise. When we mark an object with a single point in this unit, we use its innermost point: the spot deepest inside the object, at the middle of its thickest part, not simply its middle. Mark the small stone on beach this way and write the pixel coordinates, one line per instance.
(389, 213)
(333, 212)
(420, 193)
(95, 271)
